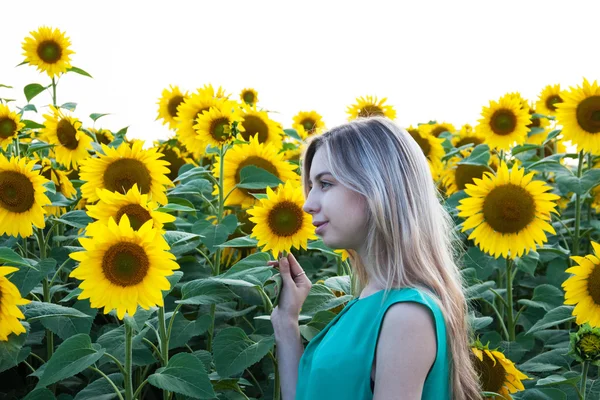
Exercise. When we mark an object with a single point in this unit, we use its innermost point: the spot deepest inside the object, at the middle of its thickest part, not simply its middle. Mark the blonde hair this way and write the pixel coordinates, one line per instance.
(410, 234)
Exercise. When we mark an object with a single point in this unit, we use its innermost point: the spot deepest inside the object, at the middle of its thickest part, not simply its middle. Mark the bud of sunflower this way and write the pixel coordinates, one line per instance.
(585, 344)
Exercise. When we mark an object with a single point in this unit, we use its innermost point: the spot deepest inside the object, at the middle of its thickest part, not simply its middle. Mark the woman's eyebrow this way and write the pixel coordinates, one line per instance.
(320, 174)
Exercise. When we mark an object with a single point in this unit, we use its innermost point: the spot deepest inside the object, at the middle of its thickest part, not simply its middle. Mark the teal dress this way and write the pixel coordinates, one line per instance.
(336, 364)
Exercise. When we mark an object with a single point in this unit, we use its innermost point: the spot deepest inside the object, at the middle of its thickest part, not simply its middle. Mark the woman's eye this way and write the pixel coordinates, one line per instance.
(325, 184)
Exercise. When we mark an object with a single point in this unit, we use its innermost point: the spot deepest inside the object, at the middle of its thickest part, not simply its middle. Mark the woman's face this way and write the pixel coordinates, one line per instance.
(338, 212)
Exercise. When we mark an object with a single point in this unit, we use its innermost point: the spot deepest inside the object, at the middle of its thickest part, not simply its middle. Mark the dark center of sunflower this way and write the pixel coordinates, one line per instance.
(249, 97)
(257, 162)
(125, 264)
(254, 125)
(103, 137)
(16, 192)
(67, 134)
(503, 122)
(594, 284)
(468, 140)
(174, 102)
(49, 51)
(421, 141)
(199, 113)
(588, 114)
(285, 219)
(535, 122)
(176, 162)
(47, 173)
(492, 376)
(552, 100)
(8, 127)
(122, 174)
(437, 131)
(508, 208)
(136, 213)
(371, 110)
(309, 125)
(589, 345)
(220, 130)
(465, 174)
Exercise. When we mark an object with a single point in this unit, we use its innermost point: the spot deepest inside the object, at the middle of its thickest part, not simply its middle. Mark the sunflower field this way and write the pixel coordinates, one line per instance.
(140, 272)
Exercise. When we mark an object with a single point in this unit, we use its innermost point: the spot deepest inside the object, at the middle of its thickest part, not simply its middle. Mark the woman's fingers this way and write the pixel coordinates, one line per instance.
(284, 270)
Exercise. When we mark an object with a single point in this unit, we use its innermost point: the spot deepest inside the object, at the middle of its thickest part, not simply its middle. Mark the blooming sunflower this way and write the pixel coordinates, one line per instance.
(467, 135)
(135, 205)
(188, 111)
(177, 156)
(214, 126)
(10, 298)
(583, 288)
(437, 129)
(548, 99)
(257, 123)
(10, 125)
(119, 169)
(122, 268)
(48, 49)
(504, 122)
(249, 96)
(261, 155)
(509, 211)
(22, 197)
(168, 105)
(104, 136)
(61, 181)
(369, 106)
(431, 147)
(496, 372)
(308, 123)
(579, 114)
(71, 144)
(280, 220)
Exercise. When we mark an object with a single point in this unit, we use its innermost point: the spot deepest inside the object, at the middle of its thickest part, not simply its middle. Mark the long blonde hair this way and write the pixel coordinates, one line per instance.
(410, 234)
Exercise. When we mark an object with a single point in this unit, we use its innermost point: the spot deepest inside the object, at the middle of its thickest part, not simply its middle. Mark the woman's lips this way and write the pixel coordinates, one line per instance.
(320, 228)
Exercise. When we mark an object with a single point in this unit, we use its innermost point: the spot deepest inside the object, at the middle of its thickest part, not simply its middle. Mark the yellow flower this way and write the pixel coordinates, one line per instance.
(467, 135)
(122, 268)
(548, 99)
(308, 123)
(104, 136)
(62, 183)
(504, 122)
(10, 299)
(579, 114)
(431, 146)
(509, 212)
(168, 105)
(48, 50)
(369, 106)
(280, 220)
(456, 176)
(214, 127)
(188, 111)
(22, 197)
(71, 144)
(437, 129)
(177, 156)
(119, 169)
(257, 123)
(583, 288)
(261, 155)
(249, 96)
(497, 373)
(10, 125)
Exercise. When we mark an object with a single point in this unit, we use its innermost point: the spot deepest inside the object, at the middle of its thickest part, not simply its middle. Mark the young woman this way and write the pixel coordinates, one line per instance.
(369, 190)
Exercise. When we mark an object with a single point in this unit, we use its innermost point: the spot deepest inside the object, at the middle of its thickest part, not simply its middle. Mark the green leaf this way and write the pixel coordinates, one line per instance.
(35, 147)
(230, 222)
(69, 106)
(543, 394)
(73, 356)
(339, 283)
(78, 71)
(590, 179)
(253, 177)
(29, 107)
(32, 90)
(50, 187)
(37, 310)
(66, 326)
(248, 263)
(176, 207)
(214, 235)
(293, 134)
(479, 156)
(320, 298)
(322, 247)
(316, 325)
(524, 147)
(192, 173)
(570, 183)
(182, 242)
(114, 343)
(5, 86)
(40, 394)
(101, 389)
(173, 280)
(96, 116)
(195, 187)
(528, 263)
(234, 351)
(554, 380)
(552, 135)
(552, 318)
(184, 330)
(478, 323)
(546, 165)
(26, 278)
(29, 124)
(184, 374)
(12, 351)
(545, 296)
(11, 258)
(77, 218)
(245, 241)
(205, 292)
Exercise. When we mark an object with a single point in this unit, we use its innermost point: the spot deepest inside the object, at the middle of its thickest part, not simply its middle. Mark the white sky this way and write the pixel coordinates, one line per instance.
(439, 60)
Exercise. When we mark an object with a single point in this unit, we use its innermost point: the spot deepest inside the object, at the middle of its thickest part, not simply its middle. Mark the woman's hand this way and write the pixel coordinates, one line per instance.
(294, 289)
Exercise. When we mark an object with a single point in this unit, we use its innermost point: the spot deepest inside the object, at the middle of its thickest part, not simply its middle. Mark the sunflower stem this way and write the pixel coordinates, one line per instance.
(276, 386)
(509, 300)
(53, 92)
(128, 362)
(584, 373)
(577, 209)
(340, 269)
(164, 342)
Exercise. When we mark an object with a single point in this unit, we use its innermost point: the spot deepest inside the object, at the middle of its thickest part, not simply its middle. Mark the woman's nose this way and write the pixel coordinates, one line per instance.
(310, 205)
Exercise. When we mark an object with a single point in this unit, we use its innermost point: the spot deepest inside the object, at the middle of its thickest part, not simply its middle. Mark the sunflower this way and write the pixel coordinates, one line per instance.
(210, 91)
(119, 169)
(122, 268)
(467, 135)
(579, 114)
(496, 372)
(584, 345)
(22, 197)
(62, 183)
(369, 106)
(10, 298)
(10, 125)
(71, 144)
(343, 254)
(168, 105)
(188, 111)
(261, 155)
(308, 123)
(436, 129)
(504, 122)
(257, 123)
(456, 176)
(249, 96)
(214, 126)
(431, 147)
(509, 211)
(48, 49)
(104, 136)
(177, 156)
(293, 154)
(280, 220)
(548, 100)
(135, 205)
(583, 288)
(540, 125)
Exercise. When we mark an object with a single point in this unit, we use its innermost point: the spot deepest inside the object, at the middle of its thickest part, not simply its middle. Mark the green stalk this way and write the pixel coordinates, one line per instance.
(54, 92)
(340, 269)
(276, 386)
(577, 209)
(164, 342)
(584, 373)
(509, 298)
(128, 362)
(39, 234)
